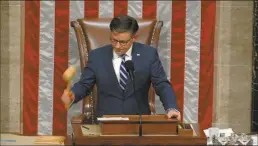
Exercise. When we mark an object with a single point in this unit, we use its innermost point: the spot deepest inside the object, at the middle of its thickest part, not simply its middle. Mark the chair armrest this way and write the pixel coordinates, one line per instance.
(152, 100)
(152, 108)
(85, 118)
(78, 119)
(81, 43)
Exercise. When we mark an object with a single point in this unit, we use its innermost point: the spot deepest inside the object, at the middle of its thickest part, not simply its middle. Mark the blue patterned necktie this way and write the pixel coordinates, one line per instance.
(123, 74)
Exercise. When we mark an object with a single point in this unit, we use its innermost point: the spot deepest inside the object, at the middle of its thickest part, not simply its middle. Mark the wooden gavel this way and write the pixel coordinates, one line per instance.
(67, 77)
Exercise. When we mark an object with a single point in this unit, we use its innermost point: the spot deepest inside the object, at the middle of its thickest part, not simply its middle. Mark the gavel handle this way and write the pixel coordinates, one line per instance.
(69, 94)
(67, 106)
(68, 87)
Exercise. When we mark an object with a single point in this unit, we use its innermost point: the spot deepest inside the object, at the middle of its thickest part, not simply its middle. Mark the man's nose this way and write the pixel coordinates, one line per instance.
(117, 45)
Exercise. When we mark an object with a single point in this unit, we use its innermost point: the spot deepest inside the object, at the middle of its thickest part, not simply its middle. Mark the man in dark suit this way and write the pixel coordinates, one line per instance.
(106, 68)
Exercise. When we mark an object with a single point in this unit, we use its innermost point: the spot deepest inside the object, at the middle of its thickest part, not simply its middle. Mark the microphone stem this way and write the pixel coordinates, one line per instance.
(140, 111)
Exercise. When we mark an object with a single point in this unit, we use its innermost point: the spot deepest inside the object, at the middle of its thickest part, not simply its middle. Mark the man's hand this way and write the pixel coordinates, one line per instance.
(174, 113)
(67, 98)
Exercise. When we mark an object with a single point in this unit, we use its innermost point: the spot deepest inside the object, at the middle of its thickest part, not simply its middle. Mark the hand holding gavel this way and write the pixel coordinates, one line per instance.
(67, 77)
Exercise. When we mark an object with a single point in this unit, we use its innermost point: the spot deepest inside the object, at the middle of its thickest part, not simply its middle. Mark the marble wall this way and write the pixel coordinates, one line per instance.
(233, 54)
(10, 15)
(233, 63)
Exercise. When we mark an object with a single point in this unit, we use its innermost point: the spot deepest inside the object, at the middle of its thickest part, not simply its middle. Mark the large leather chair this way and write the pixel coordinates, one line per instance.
(94, 33)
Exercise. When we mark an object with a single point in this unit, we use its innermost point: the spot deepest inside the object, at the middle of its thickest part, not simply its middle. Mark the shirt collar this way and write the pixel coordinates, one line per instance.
(128, 53)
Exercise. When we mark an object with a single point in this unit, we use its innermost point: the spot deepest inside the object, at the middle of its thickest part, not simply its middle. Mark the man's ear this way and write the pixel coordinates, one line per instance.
(135, 36)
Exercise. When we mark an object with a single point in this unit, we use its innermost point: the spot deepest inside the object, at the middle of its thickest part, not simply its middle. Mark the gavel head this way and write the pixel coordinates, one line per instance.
(68, 74)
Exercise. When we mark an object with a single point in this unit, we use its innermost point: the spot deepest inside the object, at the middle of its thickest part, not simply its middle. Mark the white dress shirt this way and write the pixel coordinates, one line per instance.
(117, 60)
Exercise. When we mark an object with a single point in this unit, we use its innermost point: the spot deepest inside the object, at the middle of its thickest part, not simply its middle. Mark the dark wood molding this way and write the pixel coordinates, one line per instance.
(254, 110)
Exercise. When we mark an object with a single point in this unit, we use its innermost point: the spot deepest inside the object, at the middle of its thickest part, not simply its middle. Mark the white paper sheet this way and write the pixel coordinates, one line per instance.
(227, 131)
(112, 119)
(255, 139)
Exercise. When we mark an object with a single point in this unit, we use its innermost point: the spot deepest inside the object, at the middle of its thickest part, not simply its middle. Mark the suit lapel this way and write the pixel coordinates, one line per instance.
(136, 56)
(110, 70)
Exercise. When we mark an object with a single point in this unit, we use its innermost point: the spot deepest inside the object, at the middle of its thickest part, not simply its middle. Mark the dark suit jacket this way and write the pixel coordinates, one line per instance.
(111, 98)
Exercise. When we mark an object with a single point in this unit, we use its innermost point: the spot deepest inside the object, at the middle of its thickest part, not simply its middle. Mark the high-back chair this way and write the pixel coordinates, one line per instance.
(94, 33)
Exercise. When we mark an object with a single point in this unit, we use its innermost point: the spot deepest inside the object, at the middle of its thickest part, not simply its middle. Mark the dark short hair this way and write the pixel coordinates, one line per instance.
(124, 23)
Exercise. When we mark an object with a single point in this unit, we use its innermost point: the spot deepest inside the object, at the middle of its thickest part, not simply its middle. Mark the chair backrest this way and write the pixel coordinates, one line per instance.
(94, 33)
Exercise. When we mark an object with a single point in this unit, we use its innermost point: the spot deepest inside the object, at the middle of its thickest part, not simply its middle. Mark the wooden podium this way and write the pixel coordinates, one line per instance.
(124, 130)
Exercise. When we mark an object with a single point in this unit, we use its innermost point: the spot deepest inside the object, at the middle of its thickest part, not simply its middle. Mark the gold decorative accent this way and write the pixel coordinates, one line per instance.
(153, 33)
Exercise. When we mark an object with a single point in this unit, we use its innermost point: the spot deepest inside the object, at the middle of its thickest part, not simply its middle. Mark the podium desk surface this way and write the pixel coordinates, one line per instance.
(80, 139)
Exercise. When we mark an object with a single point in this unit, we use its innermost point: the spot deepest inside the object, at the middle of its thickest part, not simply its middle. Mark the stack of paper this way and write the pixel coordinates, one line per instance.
(255, 139)
(112, 119)
(225, 132)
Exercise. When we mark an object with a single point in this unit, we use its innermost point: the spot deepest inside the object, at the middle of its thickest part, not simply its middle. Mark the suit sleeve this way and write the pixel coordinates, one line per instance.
(87, 80)
(161, 84)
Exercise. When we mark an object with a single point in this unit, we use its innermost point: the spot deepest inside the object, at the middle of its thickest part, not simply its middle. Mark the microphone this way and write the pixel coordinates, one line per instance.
(129, 65)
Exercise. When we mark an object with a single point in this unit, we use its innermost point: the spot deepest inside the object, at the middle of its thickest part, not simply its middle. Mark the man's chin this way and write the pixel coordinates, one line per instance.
(120, 53)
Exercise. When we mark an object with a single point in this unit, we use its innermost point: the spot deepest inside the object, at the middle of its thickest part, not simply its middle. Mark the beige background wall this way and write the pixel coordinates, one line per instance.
(10, 65)
(233, 53)
(233, 62)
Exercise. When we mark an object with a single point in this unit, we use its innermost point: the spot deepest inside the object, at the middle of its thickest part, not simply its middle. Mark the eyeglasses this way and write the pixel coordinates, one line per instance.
(122, 43)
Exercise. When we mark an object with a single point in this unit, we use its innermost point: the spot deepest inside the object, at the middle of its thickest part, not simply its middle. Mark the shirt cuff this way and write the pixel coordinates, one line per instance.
(172, 109)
